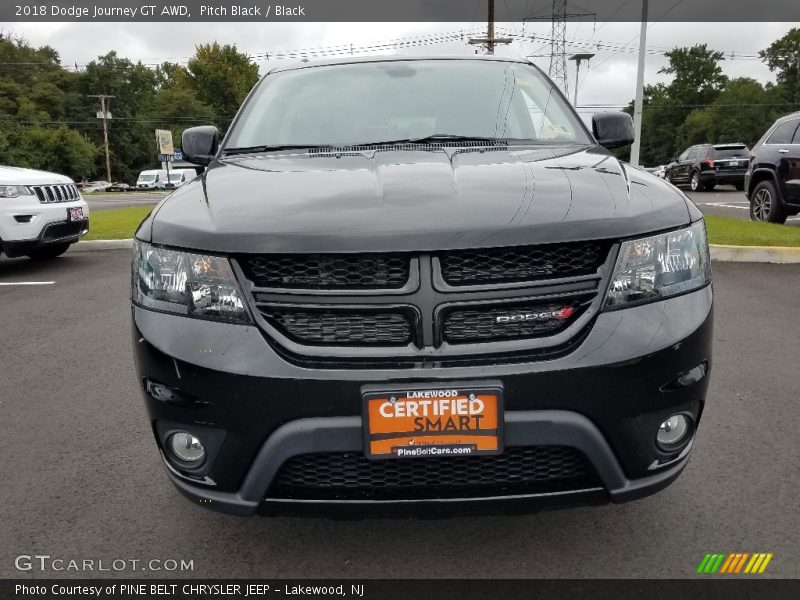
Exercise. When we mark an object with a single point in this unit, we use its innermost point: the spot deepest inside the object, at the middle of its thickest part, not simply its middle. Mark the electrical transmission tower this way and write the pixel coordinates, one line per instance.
(558, 46)
(558, 41)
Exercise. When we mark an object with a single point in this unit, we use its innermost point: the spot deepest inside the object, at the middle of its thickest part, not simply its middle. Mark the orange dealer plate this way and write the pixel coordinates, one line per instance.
(435, 421)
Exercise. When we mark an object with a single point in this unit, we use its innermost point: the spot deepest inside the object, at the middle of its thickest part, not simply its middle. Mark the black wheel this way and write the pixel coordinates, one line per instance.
(49, 251)
(764, 204)
(694, 182)
(739, 186)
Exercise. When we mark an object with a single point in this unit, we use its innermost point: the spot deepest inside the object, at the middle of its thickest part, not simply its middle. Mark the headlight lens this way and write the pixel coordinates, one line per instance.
(659, 266)
(12, 191)
(190, 284)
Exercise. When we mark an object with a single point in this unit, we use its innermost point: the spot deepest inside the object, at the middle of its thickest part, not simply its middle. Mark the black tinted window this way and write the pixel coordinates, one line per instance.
(741, 152)
(783, 133)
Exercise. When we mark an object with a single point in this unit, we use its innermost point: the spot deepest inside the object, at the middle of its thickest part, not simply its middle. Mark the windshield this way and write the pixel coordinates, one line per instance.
(175, 177)
(373, 102)
(147, 177)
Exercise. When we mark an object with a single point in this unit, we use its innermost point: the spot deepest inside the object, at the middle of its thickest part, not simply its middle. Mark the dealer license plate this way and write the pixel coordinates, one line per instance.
(75, 214)
(435, 421)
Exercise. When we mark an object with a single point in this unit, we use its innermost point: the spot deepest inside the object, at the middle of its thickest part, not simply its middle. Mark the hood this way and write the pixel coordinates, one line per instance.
(20, 176)
(404, 200)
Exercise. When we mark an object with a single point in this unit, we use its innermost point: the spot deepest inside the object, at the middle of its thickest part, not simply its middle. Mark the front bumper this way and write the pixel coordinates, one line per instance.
(605, 399)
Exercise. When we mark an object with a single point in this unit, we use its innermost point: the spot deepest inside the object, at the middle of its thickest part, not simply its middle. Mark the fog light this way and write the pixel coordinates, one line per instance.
(187, 447)
(672, 431)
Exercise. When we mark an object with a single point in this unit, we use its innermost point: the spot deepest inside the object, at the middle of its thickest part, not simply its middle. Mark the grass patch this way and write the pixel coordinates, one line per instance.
(115, 223)
(725, 230)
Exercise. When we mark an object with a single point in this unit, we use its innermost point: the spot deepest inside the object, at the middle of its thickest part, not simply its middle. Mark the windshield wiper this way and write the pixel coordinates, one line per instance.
(257, 149)
(438, 137)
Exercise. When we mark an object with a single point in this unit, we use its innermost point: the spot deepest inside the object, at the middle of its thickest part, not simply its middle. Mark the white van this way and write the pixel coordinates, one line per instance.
(178, 177)
(151, 180)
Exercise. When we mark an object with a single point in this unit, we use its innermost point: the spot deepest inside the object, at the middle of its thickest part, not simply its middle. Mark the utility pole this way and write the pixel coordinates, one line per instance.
(637, 105)
(105, 115)
(578, 58)
(490, 40)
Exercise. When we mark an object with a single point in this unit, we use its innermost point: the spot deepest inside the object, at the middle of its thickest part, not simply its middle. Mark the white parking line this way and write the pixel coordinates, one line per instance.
(28, 283)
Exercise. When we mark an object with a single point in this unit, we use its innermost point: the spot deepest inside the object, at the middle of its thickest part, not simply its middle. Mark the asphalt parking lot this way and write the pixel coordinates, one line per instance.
(727, 202)
(81, 478)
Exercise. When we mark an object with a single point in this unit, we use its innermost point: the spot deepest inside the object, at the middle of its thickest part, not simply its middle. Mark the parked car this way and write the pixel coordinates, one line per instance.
(41, 214)
(704, 166)
(178, 177)
(773, 179)
(420, 283)
(95, 186)
(151, 179)
(660, 171)
(118, 186)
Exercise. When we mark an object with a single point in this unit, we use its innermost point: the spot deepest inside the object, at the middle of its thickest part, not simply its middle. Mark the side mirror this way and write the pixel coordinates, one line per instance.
(200, 144)
(613, 129)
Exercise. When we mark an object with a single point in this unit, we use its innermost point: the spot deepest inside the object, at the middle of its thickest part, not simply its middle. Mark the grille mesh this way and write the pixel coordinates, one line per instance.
(343, 327)
(518, 321)
(61, 230)
(527, 263)
(320, 271)
(519, 470)
(48, 194)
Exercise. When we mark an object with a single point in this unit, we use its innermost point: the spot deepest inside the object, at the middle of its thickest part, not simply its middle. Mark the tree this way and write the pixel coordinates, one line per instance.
(698, 76)
(741, 113)
(221, 77)
(783, 57)
(57, 149)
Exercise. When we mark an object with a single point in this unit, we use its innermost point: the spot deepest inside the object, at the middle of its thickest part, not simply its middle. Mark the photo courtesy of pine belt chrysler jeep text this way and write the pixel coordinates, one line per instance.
(420, 284)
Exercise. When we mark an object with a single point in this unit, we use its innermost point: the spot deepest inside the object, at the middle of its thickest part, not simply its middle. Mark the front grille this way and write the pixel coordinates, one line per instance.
(350, 327)
(48, 194)
(331, 271)
(508, 322)
(62, 230)
(520, 264)
(350, 475)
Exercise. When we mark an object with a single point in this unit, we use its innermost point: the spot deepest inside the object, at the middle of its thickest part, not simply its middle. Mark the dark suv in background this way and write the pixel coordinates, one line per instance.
(773, 179)
(704, 166)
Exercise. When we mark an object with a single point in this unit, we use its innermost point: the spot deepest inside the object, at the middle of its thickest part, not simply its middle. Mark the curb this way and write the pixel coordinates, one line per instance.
(720, 253)
(755, 254)
(92, 245)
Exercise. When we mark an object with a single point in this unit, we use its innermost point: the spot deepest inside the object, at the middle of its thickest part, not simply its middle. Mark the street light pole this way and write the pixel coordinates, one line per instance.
(637, 106)
(578, 58)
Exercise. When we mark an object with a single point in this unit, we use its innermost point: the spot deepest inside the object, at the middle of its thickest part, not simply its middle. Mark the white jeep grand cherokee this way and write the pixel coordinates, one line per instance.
(41, 213)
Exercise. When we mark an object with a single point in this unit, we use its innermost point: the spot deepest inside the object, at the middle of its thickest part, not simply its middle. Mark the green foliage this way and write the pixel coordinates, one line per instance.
(48, 121)
(221, 77)
(783, 57)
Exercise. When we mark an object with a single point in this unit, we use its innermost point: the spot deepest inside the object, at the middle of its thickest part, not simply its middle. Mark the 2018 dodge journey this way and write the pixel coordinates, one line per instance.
(420, 283)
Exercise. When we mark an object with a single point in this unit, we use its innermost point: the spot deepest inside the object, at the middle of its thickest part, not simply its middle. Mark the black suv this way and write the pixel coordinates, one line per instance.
(704, 166)
(420, 283)
(773, 179)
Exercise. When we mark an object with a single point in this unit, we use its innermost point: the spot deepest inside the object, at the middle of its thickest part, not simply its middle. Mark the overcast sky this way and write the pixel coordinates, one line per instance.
(610, 79)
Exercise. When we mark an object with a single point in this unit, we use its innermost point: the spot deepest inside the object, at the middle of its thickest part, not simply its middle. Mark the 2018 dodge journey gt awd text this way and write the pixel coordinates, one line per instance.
(420, 283)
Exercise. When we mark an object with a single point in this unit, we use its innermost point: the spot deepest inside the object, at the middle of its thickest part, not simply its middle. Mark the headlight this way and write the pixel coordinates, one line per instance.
(12, 191)
(185, 283)
(660, 266)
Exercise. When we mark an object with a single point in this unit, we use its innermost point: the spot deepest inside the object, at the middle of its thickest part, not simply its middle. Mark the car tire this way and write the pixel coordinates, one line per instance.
(694, 182)
(49, 251)
(765, 206)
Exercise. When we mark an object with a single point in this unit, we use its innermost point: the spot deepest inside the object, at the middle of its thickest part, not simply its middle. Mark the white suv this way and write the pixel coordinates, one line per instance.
(41, 213)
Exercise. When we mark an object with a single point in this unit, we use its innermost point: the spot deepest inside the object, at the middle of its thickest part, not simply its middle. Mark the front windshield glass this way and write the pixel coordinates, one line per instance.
(175, 178)
(146, 177)
(372, 102)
